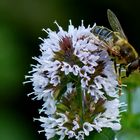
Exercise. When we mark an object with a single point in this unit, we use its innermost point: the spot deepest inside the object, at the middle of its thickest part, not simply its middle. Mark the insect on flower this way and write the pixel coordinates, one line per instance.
(117, 45)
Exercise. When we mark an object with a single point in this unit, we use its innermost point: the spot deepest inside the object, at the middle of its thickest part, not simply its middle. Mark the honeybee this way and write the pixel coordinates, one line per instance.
(117, 44)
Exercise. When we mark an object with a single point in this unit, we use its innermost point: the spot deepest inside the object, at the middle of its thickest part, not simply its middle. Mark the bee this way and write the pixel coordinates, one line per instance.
(117, 45)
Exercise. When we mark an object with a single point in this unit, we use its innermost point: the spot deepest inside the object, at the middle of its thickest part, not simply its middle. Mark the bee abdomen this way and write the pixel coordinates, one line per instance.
(102, 32)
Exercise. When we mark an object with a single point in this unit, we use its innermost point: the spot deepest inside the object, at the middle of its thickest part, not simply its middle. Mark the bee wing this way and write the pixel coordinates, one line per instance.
(115, 24)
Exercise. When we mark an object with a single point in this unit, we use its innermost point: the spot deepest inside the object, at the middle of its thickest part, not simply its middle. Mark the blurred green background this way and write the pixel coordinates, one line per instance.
(21, 23)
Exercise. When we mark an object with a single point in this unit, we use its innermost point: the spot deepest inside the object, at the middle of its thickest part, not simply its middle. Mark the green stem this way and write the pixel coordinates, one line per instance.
(80, 100)
(83, 105)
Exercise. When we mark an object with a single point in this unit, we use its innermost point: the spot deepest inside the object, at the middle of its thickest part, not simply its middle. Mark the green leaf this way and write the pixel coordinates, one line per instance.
(129, 135)
(131, 127)
(106, 134)
(132, 81)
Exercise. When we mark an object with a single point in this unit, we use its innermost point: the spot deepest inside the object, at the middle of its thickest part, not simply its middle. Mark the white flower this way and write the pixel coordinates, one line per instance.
(75, 78)
(80, 135)
(110, 117)
(92, 60)
(76, 125)
(75, 69)
(112, 108)
(54, 66)
(69, 89)
(62, 132)
(49, 106)
(50, 133)
(63, 118)
(87, 127)
(70, 134)
(84, 81)
(66, 68)
(48, 124)
(96, 92)
(55, 80)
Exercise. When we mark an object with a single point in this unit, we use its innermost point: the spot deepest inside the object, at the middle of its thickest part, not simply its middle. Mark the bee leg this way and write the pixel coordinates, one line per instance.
(124, 76)
(115, 66)
(127, 72)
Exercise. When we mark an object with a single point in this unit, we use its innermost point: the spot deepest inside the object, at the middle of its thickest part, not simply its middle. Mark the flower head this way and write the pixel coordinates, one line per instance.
(76, 80)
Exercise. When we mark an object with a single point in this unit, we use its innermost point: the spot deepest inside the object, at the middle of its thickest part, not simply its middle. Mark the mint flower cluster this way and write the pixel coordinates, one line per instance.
(76, 80)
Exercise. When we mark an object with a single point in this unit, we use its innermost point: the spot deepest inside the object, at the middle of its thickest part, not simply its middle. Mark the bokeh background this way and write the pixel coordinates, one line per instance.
(21, 23)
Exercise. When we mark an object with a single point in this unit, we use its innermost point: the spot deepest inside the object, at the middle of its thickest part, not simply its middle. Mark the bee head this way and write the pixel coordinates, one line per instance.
(127, 52)
(134, 65)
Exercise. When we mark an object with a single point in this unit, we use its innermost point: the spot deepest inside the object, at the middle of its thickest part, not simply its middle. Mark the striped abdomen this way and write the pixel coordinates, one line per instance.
(103, 33)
